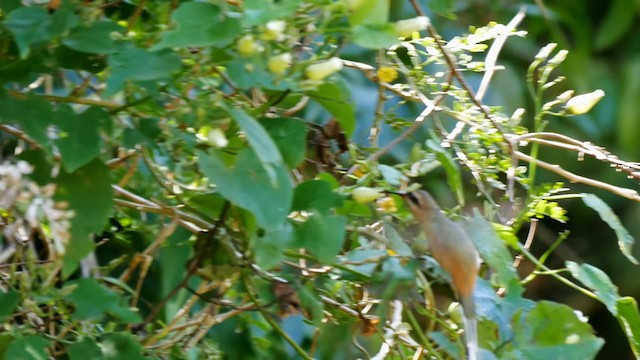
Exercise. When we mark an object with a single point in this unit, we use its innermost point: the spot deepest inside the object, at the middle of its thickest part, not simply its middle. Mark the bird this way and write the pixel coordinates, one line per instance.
(455, 252)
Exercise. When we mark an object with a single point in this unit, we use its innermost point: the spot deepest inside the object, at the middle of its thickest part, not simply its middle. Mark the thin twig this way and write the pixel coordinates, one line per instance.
(492, 54)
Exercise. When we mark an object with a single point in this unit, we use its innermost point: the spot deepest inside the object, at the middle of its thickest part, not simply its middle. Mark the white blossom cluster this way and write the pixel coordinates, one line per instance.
(26, 208)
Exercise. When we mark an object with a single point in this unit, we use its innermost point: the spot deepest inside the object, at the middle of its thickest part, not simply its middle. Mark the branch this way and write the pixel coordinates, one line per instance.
(624, 192)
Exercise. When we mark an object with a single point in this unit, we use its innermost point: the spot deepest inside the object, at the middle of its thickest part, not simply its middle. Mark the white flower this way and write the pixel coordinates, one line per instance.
(280, 63)
(274, 30)
(216, 138)
(321, 70)
(363, 194)
(581, 104)
(565, 96)
(405, 28)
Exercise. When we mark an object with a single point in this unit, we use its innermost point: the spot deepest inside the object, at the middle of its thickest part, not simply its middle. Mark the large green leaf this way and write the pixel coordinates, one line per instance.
(121, 346)
(32, 114)
(258, 12)
(93, 300)
(31, 347)
(290, 136)
(249, 186)
(316, 195)
(268, 246)
(79, 141)
(337, 100)
(89, 195)
(369, 12)
(451, 167)
(375, 36)
(200, 24)
(323, 235)
(173, 260)
(95, 39)
(29, 26)
(140, 64)
(617, 22)
(260, 141)
(84, 349)
(629, 319)
(494, 252)
(8, 302)
(598, 281)
(554, 331)
(625, 240)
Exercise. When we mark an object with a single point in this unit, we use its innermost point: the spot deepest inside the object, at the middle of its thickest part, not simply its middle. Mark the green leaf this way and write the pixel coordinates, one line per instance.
(95, 39)
(79, 142)
(260, 141)
(553, 331)
(31, 347)
(93, 300)
(451, 167)
(323, 235)
(494, 252)
(375, 36)
(598, 281)
(199, 24)
(392, 175)
(337, 100)
(140, 64)
(249, 186)
(625, 240)
(30, 26)
(268, 247)
(396, 242)
(33, 114)
(173, 260)
(121, 346)
(8, 302)
(88, 193)
(369, 12)
(315, 195)
(258, 12)
(290, 136)
(629, 319)
(443, 8)
(84, 349)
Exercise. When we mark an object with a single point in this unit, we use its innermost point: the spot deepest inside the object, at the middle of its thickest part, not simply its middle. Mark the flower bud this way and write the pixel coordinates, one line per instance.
(274, 30)
(248, 46)
(280, 63)
(517, 115)
(581, 104)
(559, 58)
(321, 70)
(363, 194)
(405, 28)
(546, 51)
(565, 96)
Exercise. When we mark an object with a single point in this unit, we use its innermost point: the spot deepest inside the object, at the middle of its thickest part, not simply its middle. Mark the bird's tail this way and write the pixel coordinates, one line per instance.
(470, 327)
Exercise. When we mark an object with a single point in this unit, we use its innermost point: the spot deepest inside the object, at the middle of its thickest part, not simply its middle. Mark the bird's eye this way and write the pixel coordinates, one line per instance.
(413, 198)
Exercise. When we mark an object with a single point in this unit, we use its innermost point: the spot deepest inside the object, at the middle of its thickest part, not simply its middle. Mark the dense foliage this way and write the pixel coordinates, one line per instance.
(206, 179)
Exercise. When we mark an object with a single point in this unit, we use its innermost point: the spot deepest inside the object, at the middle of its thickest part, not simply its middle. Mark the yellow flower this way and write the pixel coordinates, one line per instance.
(581, 104)
(386, 205)
(280, 63)
(387, 74)
(248, 46)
